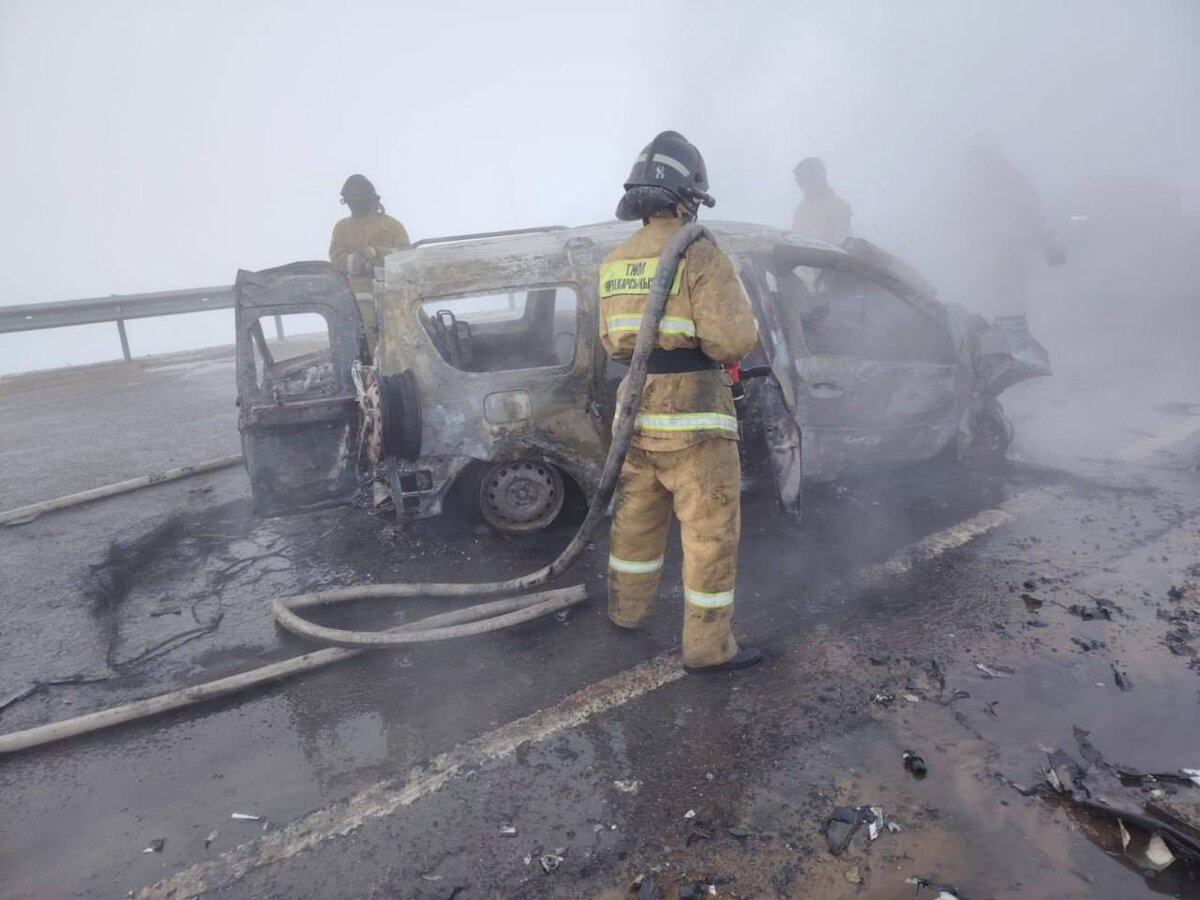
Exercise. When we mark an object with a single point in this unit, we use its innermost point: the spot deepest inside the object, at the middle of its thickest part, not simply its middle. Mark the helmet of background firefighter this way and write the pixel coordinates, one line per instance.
(810, 173)
(668, 171)
(360, 195)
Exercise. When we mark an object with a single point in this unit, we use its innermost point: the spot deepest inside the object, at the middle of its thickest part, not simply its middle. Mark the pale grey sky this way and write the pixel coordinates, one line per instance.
(153, 145)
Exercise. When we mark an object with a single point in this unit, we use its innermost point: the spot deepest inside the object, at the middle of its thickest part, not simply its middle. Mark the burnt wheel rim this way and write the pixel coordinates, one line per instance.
(521, 496)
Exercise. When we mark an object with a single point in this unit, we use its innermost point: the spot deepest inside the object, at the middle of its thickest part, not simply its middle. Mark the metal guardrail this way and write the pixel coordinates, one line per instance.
(116, 308)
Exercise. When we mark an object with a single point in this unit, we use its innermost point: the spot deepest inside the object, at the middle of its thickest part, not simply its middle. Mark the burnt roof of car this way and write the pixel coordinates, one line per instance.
(556, 240)
(531, 250)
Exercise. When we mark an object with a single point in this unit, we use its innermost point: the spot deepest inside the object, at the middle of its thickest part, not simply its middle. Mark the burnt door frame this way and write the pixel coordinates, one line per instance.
(300, 448)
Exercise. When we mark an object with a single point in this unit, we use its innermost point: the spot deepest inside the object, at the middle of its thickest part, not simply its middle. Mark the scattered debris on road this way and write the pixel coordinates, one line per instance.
(842, 825)
(508, 830)
(995, 671)
(212, 836)
(245, 817)
(944, 891)
(551, 861)
(155, 846)
(915, 764)
(1121, 679)
(647, 888)
(1100, 609)
(1175, 594)
(632, 786)
(1149, 851)
(875, 824)
(1153, 833)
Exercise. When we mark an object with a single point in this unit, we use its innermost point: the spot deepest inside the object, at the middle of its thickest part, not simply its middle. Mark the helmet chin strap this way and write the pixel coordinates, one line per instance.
(694, 200)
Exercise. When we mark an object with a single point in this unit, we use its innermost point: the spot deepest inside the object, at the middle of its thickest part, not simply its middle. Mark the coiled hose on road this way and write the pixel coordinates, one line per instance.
(472, 620)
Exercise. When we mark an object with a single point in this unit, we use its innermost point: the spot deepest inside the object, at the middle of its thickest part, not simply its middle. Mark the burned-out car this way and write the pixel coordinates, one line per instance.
(489, 380)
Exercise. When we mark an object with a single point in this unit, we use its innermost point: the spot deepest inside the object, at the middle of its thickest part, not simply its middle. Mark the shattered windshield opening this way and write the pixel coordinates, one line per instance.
(845, 314)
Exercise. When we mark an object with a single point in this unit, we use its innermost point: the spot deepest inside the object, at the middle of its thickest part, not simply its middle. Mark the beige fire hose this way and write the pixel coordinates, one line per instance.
(23, 514)
(473, 620)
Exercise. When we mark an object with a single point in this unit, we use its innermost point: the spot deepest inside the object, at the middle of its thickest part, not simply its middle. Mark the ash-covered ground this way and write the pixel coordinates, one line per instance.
(983, 620)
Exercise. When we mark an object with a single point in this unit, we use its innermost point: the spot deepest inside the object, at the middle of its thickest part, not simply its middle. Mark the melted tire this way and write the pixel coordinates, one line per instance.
(400, 410)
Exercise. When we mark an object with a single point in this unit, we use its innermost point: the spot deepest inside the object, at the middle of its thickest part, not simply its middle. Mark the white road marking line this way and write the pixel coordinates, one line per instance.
(934, 545)
(387, 797)
(1172, 434)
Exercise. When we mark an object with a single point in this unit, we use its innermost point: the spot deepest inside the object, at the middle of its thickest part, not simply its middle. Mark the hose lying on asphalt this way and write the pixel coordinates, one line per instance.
(24, 514)
(472, 620)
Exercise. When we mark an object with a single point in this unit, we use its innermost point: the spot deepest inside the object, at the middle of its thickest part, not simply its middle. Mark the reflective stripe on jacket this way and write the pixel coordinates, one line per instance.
(706, 308)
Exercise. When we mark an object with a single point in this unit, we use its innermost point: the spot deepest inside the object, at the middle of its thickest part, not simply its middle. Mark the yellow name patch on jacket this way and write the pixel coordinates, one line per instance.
(633, 276)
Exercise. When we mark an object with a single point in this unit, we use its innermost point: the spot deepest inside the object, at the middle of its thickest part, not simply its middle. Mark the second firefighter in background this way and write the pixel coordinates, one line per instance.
(684, 453)
(360, 242)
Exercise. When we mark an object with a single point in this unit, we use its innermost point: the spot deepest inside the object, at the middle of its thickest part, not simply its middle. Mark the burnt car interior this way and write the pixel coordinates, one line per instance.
(503, 331)
(298, 365)
(845, 314)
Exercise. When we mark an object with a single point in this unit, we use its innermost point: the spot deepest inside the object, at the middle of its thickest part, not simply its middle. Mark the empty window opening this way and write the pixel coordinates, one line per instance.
(292, 355)
(504, 330)
(845, 314)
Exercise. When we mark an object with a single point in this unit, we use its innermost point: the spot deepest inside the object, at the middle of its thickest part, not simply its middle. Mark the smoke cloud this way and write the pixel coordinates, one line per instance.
(155, 146)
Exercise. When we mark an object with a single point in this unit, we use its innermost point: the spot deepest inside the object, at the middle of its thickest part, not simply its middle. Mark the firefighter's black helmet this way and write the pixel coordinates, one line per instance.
(359, 187)
(669, 170)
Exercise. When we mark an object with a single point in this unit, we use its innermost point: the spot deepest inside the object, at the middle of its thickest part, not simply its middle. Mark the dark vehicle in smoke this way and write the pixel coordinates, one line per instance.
(489, 378)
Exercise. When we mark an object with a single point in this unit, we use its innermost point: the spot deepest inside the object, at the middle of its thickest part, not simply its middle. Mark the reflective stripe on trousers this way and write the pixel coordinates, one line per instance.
(708, 600)
(634, 567)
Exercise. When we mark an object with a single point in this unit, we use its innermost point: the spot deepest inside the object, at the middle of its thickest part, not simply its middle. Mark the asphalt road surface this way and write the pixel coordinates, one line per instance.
(980, 619)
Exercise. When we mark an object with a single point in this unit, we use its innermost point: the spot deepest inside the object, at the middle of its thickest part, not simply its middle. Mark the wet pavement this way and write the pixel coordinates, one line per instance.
(975, 618)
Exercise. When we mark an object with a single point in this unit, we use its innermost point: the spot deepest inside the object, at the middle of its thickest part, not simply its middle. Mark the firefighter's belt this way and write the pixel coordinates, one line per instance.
(687, 359)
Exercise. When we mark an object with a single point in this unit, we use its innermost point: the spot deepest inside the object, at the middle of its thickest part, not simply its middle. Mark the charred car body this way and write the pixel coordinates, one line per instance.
(489, 372)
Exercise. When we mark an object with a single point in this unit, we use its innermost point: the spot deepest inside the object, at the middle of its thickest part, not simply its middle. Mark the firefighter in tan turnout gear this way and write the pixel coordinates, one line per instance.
(684, 454)
(360, 242)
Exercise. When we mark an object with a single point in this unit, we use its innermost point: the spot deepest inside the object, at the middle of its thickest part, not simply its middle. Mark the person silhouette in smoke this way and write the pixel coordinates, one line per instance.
(360, 242)
(822, 214)
(1004, 222)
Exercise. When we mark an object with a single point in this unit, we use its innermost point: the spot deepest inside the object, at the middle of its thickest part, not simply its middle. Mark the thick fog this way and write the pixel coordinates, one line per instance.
(152, 146)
